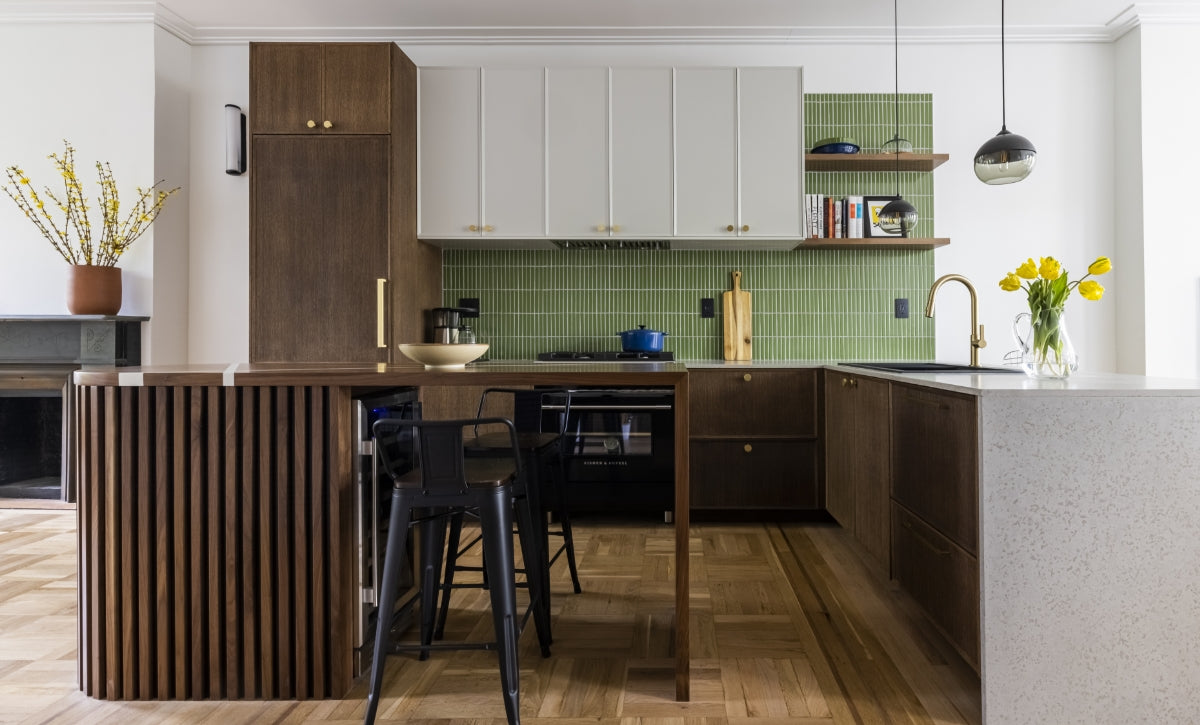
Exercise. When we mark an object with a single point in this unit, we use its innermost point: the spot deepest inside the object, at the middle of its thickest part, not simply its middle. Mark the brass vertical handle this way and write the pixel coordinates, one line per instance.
(380, 309)
(327, 124)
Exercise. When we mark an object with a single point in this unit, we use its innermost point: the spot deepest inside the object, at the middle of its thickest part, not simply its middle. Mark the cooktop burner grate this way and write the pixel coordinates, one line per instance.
(607, 356)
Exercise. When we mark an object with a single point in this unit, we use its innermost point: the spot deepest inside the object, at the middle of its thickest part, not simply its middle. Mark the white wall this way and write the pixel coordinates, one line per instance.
(1060, 96)
(1172, 255)
(92, 84)
(1129, 299)
(166, 340)
(219, 303)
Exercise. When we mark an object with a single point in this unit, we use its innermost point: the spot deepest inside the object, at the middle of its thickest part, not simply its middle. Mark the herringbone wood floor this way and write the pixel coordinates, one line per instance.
(789, 626)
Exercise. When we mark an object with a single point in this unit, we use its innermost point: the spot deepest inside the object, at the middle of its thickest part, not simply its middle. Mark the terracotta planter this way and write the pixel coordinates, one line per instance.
(93, 290)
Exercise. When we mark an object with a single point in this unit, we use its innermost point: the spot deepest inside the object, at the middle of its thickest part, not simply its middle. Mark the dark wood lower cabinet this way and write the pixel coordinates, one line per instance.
(754, 474)
(943, 578)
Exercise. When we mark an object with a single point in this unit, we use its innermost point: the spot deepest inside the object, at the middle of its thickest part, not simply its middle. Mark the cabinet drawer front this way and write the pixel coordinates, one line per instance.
(754, 402)
(941, 576)
(935, 453)
(775, 474)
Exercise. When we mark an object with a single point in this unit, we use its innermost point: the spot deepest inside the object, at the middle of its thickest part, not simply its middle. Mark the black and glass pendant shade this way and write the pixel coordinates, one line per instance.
(1007, 157)
(898, 217)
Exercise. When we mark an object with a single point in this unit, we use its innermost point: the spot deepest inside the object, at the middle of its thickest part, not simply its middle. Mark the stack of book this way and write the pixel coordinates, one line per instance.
(834, 218)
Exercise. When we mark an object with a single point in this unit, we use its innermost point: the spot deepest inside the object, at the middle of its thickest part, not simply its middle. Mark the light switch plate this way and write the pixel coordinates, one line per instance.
(901, 308)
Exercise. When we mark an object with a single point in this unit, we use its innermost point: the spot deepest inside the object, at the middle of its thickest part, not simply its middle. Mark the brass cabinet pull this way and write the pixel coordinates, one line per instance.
(745, 227)
(311, 123)
(600, 227)
(845, 382)
(473, 228)
(616, 228)
(328, 124)
(380, 309)
(729, 228)
(849, 383)
(747, 448)
(928, 544)
(489, 228)
(746, 377)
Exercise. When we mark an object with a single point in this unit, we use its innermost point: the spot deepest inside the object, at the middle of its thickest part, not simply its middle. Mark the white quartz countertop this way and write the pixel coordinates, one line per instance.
(1011, 383)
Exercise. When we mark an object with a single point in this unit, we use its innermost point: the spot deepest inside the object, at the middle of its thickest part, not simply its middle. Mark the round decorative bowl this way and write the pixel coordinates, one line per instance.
(836, 148)
(440, 355)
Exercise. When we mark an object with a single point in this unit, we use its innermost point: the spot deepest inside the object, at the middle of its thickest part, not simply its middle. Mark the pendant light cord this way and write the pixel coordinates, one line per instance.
(1003, 102)
(896, 95)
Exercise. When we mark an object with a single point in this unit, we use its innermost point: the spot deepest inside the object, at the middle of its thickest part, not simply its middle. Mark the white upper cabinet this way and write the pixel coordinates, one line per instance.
(641, 157)
(448, 177)
(770, 152)
(577, 148)
(532, 155)
(514, 152)
(706, 152)
(738, 155)
(482, 153)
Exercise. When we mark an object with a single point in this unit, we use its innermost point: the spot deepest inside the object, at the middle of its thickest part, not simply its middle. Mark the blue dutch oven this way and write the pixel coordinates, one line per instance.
(642, 340)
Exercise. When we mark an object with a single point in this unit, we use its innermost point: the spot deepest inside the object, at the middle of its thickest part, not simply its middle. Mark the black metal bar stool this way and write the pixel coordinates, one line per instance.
(445, 482)
(541, 453)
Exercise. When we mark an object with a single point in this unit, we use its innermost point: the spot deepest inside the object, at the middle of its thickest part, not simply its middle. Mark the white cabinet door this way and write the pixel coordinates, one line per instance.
(705, 152)
(514, 152)
(770, 112)
(577, 130)
(448, 184)
(641, 152)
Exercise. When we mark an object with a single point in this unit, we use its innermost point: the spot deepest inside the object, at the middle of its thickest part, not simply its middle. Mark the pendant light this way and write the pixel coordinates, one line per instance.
(897, 216)
(1005, 158)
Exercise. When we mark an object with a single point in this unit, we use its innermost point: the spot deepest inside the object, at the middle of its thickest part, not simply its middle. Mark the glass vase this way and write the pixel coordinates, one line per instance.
(1045, 346)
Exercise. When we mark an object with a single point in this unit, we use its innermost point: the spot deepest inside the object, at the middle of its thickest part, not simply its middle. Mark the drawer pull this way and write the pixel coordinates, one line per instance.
(746, 377)
(849, 383)
(925, 540)
(747, 448)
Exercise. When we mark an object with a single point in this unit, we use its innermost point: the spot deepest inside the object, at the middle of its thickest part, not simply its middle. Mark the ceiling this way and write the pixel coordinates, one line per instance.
(499, 21)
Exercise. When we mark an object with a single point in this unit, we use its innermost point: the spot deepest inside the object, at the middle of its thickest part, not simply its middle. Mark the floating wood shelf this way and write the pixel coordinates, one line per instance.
(875, 243)
(873, 162)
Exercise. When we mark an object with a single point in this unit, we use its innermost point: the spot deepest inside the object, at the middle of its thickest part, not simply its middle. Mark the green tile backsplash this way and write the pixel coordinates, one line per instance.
(807, 304)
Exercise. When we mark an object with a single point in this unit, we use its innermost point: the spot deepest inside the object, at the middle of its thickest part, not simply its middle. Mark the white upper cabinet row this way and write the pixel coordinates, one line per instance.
(528, 154)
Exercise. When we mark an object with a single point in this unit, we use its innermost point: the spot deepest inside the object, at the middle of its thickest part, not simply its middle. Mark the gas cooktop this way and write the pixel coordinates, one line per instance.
(608, 356)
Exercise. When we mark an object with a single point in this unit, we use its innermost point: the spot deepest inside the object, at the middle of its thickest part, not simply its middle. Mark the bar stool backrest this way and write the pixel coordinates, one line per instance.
(439, 450)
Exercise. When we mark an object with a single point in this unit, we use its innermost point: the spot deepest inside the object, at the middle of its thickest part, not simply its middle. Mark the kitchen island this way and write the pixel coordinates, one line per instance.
(216, 522)
(1088, 541)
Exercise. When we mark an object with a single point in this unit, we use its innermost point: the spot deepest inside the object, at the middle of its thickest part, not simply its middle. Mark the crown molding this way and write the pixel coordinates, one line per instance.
(135, 11)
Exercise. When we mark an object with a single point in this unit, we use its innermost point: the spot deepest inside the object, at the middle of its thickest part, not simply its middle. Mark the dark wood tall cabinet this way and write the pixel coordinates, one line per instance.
(857, 459)
(336, 271)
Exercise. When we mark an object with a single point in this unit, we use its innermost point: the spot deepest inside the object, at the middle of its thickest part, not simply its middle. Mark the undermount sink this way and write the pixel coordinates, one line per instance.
(928, 367)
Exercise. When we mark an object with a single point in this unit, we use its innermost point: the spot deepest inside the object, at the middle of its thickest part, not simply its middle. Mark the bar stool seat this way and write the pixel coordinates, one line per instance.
(444, 483)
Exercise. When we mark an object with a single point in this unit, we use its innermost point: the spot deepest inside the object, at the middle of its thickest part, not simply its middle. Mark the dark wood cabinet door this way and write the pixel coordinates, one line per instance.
(286, 82)
(871, 460)
(319, 242)
(754, 402)
(754, 474)
(935, 449)
(941, 576)
(357, 87)
(840, 449)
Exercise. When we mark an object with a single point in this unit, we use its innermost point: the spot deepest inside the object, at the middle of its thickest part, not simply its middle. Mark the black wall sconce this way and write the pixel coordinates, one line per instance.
(235, 140)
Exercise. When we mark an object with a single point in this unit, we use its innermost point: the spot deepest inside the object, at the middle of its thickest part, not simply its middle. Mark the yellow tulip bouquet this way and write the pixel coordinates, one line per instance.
(71, 236)
(1047, 286)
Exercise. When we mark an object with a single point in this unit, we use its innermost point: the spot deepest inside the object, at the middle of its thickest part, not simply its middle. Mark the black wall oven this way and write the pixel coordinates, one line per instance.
(618, 448)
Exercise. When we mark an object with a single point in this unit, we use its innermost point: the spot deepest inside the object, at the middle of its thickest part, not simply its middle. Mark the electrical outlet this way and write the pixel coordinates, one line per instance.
(901, 308)
(471, 303)
(707, 308)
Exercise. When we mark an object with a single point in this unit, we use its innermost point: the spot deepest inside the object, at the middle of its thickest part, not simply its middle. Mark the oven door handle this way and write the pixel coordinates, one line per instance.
(613, 408)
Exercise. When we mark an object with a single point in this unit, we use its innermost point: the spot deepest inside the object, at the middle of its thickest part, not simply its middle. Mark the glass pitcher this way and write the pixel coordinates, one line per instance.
(1045, 348)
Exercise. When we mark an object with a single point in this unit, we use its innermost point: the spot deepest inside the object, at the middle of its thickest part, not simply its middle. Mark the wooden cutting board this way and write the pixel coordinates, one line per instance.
(735, 306)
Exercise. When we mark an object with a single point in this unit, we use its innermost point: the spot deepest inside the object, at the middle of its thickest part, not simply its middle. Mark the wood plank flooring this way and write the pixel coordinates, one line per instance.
(789, 625)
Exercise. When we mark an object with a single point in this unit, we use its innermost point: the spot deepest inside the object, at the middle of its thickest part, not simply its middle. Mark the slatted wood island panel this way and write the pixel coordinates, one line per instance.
(216, 532)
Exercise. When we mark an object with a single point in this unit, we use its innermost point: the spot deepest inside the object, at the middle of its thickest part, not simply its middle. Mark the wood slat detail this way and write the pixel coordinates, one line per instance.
(225, 586)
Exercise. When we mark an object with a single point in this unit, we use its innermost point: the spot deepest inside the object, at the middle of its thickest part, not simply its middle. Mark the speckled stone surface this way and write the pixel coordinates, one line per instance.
(1090, 558)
